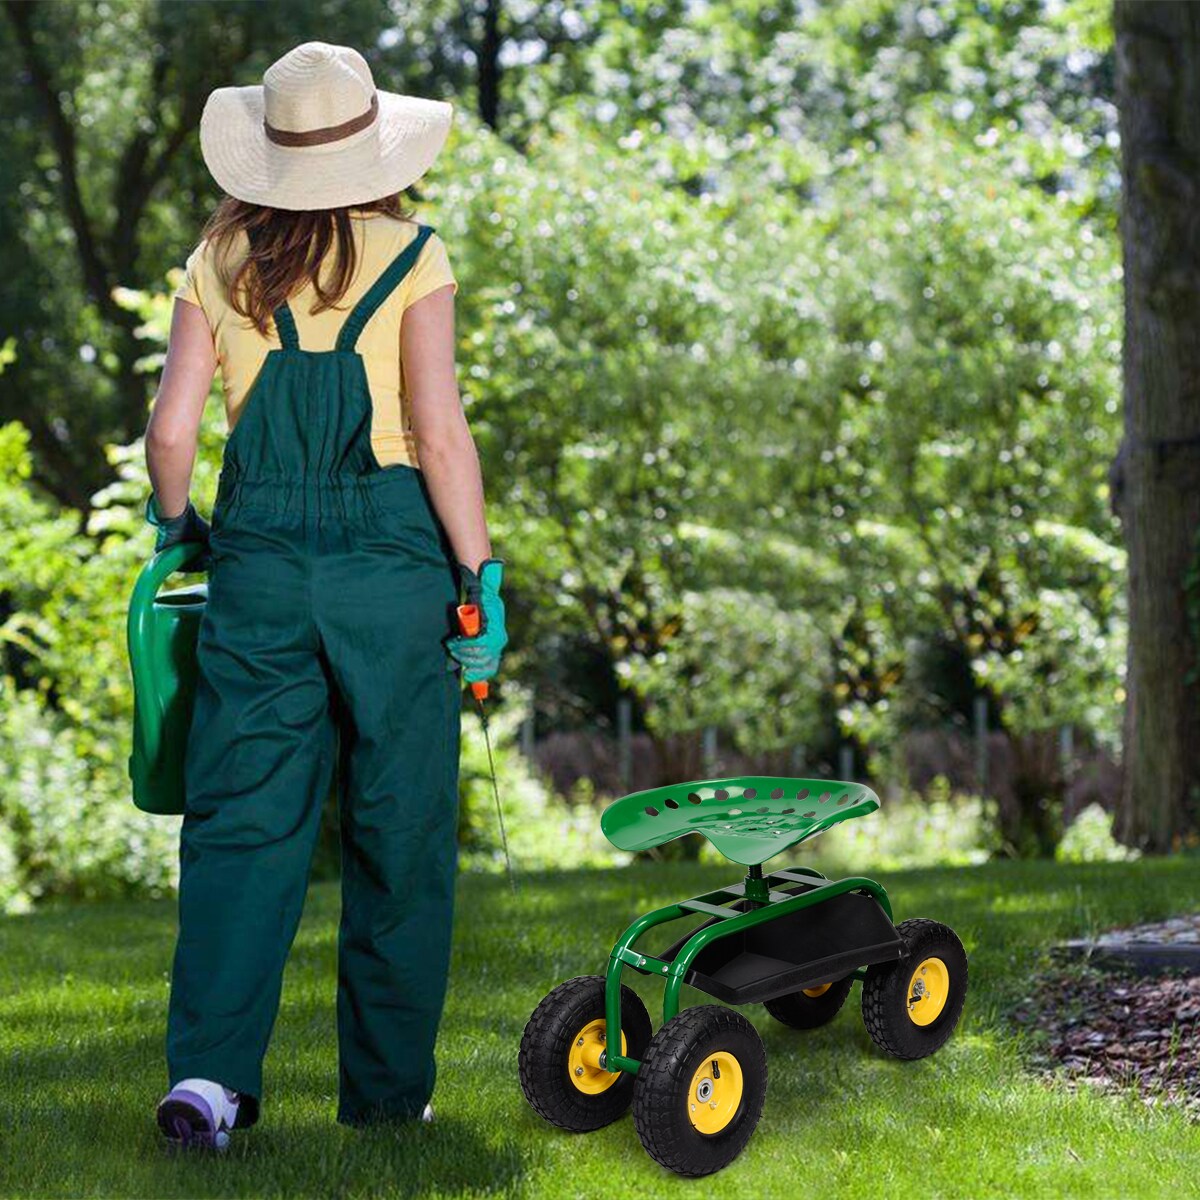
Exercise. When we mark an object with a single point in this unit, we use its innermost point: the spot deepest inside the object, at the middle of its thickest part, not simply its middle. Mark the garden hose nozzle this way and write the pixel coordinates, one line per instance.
(469, 625)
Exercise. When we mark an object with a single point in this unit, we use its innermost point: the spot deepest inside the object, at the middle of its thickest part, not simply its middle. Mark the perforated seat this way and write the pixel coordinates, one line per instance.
(747, 819)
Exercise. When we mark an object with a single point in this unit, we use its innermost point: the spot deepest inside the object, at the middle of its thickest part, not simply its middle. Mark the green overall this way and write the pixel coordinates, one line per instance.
(331, 590)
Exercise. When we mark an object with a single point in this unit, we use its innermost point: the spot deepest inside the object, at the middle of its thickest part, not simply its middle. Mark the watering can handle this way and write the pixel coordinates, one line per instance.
(153, 575)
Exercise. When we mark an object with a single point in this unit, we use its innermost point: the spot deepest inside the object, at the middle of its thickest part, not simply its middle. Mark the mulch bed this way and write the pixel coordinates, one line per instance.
(1116, 1030)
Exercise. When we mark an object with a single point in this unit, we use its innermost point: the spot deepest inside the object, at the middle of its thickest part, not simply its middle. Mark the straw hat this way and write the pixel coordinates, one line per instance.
(317, 133)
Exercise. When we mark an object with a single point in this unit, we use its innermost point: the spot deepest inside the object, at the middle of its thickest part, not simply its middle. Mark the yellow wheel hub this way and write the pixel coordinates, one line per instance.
(928, 991)
(583, 1062)
(715, 1093)
(819, 990)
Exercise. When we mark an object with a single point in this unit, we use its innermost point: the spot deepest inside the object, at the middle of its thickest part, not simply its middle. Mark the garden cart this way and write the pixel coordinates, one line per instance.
(791, 939)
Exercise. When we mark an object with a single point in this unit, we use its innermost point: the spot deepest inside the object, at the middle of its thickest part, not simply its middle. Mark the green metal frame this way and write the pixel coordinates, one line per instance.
(767, 905)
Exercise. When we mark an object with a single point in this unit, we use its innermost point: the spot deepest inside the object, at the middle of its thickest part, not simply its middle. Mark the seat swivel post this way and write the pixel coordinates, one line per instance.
(757, 891)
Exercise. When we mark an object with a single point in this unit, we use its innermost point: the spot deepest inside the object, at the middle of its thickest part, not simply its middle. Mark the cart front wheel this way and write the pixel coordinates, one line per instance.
(700, 1090)
(559, 1059)
(910, 1008)
(811, 1007)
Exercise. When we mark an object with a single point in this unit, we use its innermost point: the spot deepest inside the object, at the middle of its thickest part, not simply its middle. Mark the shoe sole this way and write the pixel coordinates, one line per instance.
(186, 1120)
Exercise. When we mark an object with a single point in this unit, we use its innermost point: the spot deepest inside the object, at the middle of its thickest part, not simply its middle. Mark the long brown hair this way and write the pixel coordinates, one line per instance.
(287, 249)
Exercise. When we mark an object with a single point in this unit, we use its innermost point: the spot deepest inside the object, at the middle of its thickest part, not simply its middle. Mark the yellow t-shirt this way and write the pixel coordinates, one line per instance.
(242, 350)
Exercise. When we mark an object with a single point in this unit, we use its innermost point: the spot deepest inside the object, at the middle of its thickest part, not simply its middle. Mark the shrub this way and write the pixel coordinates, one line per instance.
(67, 826)
(1089, 838)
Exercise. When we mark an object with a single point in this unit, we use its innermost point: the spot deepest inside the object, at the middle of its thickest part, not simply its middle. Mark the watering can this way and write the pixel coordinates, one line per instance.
(162, 632)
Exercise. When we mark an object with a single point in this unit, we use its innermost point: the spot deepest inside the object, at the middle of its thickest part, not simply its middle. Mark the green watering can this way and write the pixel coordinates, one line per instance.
(162, 632)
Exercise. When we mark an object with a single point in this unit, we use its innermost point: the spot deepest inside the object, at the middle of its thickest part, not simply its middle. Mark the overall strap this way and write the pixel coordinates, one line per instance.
(285, 326)
(383, 287)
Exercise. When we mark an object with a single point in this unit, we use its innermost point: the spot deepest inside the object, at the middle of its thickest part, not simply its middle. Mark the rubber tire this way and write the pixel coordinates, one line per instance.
(798, 1011)
(546, 1044)
(660, 1113)
(885, 992)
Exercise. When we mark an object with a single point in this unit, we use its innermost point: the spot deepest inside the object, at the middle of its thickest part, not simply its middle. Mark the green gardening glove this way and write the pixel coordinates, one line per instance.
(188, 526)
(480, 655)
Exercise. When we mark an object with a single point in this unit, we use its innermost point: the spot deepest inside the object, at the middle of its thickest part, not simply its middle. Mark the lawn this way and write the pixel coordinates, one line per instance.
(83, 996)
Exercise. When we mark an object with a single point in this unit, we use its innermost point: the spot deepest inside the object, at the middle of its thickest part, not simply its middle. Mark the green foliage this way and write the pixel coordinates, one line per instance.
(67, 827)
(938, 829)
(1089, 838)
(746, 665)
(875, 421)
(1067, 669)
(964, 399)
(771, 99)
(543, 831)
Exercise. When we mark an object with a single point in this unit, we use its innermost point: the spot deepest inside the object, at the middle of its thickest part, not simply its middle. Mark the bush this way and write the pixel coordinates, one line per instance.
(67, 825)
(938, 828)
(1089, 838)
(544, 832)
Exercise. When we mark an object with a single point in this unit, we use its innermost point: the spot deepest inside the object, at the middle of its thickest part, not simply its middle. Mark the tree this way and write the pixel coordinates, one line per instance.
(1157, 472)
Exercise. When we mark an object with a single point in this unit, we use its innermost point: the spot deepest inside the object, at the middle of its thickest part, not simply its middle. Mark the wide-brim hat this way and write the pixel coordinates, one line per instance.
(317, 133)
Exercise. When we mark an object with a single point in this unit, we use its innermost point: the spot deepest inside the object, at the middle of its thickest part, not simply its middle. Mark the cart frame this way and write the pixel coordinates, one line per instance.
(766, 904)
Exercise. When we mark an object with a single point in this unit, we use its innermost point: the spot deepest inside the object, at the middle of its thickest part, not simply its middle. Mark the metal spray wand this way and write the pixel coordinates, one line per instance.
(469, 624)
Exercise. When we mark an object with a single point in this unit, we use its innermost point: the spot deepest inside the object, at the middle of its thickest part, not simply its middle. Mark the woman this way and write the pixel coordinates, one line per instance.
(349, 512)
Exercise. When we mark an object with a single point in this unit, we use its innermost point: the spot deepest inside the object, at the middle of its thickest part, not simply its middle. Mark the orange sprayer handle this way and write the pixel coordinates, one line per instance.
(468, 624)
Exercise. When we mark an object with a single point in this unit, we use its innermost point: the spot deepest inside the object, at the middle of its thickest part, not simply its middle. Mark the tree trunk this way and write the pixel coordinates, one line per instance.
(489, 65)
(1157, 473)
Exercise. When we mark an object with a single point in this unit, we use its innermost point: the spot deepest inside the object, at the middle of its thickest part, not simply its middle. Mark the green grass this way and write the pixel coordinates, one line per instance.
(83, 994)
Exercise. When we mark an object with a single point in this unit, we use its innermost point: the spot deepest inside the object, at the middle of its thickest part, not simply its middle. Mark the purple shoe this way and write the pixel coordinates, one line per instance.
(198, 1112)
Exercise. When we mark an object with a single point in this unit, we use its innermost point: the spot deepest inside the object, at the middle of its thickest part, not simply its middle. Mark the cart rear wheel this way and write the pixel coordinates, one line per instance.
(700, 1090)
(810, 1008)
(559, 1059)
(910, 1007)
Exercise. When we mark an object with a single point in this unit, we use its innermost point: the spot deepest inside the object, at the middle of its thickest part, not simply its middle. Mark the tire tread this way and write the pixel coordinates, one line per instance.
(665, 1070)
(798, 1011)
(877, 1005)
(544, 1081)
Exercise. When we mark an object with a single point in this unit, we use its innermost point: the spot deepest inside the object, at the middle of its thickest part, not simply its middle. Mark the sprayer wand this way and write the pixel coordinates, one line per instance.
(468, 624)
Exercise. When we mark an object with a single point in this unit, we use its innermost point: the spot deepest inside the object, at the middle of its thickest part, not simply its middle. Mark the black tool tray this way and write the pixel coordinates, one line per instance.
(802, 949)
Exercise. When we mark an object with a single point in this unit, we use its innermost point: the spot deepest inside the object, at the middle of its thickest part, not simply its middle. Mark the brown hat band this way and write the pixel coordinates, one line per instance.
(318, 137)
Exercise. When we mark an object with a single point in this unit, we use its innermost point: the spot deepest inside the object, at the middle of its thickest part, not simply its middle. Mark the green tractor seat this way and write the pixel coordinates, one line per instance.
(747, 819)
